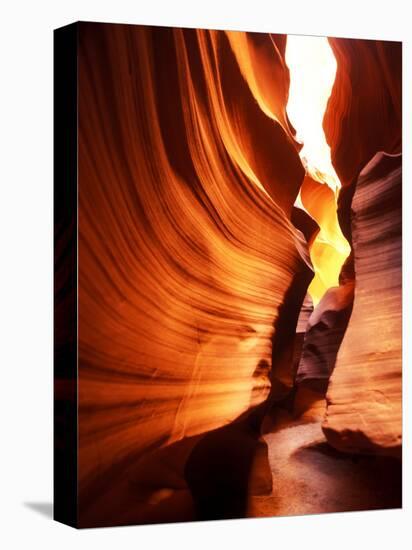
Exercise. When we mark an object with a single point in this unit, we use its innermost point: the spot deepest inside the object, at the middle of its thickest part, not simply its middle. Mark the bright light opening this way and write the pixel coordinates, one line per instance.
(312, 68)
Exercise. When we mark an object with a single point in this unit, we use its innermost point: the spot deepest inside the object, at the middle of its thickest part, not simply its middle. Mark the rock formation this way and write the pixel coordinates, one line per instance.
(363, 127)
(187, 253)
(194, 318)
(323, 335)
(364, 113)
(364, 395)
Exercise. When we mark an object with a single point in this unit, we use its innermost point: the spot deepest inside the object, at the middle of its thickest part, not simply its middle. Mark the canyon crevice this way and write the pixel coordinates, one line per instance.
(201, 238)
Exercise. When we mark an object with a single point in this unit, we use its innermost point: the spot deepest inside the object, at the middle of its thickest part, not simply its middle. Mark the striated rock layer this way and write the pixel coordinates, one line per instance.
(364, 113)
(324, 332)
(362, 120)
(193, 265)
(188, 173)
(364, 395)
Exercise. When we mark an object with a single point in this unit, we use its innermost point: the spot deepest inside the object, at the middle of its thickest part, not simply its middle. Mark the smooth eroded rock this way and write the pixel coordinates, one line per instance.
(365, 391)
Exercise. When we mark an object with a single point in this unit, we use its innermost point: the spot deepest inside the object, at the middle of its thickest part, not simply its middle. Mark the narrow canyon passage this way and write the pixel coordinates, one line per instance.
(240, 274)
(312, 70)
(310, 476)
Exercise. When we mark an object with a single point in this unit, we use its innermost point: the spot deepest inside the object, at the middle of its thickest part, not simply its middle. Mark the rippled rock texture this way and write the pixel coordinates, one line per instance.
(364, 395)
(198, 237)
(324, 331)
(363, 127)
(189, 263)
(364, 113)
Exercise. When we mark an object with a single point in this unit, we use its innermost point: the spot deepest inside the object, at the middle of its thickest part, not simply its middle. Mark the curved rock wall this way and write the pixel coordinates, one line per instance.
(364, 113)
(188, 174)
(363, 127)
(324, 333)
(193, 260)
(364, 395)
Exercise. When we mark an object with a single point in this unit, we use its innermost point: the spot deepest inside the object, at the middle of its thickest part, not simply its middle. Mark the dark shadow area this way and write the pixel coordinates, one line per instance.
(45, 509)
(218, 470)
(206, 476)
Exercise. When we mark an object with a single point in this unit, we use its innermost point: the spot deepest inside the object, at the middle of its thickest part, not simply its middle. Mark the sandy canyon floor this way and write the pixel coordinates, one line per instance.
(310, 477)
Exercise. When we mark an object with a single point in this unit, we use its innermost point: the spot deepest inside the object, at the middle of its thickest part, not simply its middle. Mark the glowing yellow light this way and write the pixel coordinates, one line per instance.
(312, 68)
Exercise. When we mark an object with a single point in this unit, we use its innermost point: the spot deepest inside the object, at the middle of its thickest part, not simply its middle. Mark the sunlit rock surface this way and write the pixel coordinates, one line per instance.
(364, 395)
(329, 247)
(364, 113)
(194, 269)
(363, 119)
(191, 273)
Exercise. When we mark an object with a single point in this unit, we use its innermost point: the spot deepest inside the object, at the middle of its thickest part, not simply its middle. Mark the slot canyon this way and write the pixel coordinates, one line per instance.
(240, 275)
